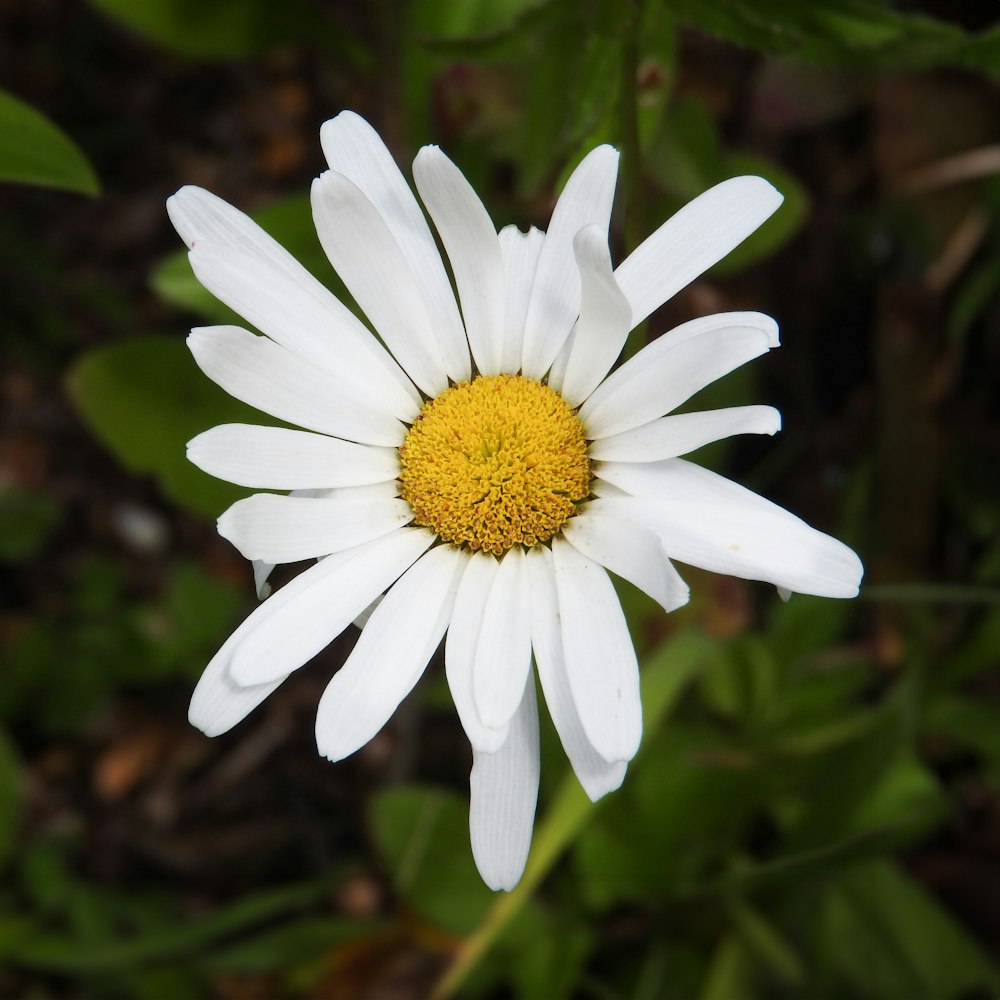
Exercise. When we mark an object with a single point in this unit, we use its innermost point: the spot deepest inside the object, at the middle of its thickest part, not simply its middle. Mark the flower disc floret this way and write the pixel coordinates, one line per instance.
(496, 462)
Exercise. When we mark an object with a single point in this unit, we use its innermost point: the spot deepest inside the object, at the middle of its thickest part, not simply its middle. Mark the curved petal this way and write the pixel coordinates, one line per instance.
(391, 654)
(708, 521)
(265, 375)
(261, 571)
(280, 459)
(656, 381)
(353, 148)
(631, 551)
(254, 275)
(503, 651)
(372, 266)
(460, 650)
(503, 792)
(555, 296)
(307, 614)
(282, 529)
(520, 260)
(681, 433)
(473, 249)
(595, 774)
(603, 326)
(600, 659)
(694, 239)
(219, 703)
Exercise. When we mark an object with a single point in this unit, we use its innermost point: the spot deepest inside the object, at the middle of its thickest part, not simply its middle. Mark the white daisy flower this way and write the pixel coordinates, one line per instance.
(473, 472)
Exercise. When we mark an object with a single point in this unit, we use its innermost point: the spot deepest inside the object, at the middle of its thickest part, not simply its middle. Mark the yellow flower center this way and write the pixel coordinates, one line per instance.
(493, 463)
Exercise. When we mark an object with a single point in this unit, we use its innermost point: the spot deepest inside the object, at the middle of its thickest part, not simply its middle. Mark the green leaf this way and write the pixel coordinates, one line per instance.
(423, 837)
(221, 29)
(34, 151)
(732, 972)
(846, 32)
(890, 940)
(767, 943)
(144, 399)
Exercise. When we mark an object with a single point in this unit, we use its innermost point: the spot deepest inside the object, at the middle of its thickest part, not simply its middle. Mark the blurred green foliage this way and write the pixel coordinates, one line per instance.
(34, 151)
(761, 844)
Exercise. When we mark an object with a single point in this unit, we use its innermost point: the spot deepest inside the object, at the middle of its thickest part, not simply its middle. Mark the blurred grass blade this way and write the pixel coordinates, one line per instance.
(665, 677)
(34, 151)
(767, 943)
(58, 953)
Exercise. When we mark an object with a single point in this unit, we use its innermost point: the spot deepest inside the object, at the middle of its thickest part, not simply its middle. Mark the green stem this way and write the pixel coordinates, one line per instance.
(664, 679)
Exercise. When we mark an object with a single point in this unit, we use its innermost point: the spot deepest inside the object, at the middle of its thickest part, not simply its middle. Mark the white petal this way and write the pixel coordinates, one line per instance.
(281, 299)
(694, 239)
(520, 258)
(600, 659)
(218, 703)
(503, 652)
(664, 375)
(503, 792)
(631, 551)
(353, 148)
(283, 529)
(473, 249)
(373, 492)
(711, 522)
(555, 296)
(261, 571)
(280, 459)
(265, 375)
(595, 774)
(391, 654)
(460, 649)
(603, 326)
(307, 614)
(681, 433)
(371, 264)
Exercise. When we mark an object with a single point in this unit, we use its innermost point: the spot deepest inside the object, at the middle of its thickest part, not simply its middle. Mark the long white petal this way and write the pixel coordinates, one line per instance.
(600, 659)
(520, 259)
(277, 458)
(219, 703)
(503, 652)
(353, 148)
(555, 296)
(310, 612)
(283, 529)
(460, 650)
(371, 264)
(631, 551)
(391, 654)
(603, 326)
(595, 774)
(302, 315)
(694, 239)
(681, 433)
(266, 375)
(708, 521)
(503, 792)
(654, 382)
(470, 240)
